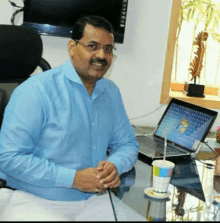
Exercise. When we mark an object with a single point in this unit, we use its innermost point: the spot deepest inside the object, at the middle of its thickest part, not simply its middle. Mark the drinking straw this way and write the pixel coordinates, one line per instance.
(165, 144)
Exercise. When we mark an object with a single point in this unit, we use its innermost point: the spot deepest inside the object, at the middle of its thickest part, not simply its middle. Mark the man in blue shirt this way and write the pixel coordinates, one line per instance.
(59, 125)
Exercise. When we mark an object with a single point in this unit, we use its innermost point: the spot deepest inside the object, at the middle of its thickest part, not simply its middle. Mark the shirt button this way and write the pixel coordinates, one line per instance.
(93, 147)
(93, 124)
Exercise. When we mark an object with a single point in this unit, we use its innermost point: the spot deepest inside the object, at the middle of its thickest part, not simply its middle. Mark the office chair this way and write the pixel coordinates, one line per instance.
(20, 54)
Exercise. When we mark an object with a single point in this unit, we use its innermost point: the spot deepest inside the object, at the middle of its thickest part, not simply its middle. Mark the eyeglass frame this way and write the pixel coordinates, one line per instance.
(98, 46)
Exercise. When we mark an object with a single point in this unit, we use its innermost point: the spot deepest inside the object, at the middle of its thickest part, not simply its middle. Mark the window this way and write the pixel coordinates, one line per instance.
(180, 53)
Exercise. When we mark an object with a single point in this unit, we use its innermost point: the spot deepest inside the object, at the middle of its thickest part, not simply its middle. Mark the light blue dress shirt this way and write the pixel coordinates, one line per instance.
(52, 127)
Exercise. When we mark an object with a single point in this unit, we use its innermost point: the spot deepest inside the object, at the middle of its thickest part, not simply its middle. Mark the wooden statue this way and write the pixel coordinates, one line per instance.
(196, 64)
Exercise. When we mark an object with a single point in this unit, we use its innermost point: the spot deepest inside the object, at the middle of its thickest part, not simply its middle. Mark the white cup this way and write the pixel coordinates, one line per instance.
(162, 172)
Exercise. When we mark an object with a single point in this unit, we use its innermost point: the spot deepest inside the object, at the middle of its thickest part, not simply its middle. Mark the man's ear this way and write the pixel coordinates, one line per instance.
(71, 47)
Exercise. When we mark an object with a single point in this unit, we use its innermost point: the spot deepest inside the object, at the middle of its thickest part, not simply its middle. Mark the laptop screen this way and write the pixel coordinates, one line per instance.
(184, 123)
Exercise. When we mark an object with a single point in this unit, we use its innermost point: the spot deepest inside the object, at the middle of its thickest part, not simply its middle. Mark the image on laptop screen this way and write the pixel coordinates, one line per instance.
(184, 125)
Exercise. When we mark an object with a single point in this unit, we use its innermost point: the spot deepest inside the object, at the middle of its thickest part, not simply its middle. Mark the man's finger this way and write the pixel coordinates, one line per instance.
(107, 170)
(109, 177)
(102, 165)
(112, 181)
(104, 174)
(115, 183)
(100, 191)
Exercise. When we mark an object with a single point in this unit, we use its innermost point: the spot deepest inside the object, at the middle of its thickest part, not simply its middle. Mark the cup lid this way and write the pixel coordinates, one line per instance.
(163, 163)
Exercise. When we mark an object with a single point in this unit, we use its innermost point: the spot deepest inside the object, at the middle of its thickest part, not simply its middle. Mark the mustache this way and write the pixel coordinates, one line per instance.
(98, 60)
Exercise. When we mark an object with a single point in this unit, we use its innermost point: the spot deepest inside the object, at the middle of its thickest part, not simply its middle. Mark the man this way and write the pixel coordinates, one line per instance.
(57, 128)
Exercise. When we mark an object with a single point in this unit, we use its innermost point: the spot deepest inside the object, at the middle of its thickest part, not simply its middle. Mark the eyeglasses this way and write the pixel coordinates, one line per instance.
(92, 47)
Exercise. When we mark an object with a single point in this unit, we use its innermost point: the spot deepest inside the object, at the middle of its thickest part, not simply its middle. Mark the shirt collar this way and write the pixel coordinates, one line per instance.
(72, 75)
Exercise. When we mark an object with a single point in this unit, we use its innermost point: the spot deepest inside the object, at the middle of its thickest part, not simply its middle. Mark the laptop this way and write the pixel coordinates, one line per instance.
(183, 128)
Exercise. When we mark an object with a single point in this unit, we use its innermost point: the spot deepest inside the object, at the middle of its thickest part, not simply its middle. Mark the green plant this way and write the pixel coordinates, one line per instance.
(205, 11)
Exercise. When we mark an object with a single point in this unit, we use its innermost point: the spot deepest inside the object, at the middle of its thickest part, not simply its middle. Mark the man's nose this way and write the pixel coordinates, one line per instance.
(101, 53)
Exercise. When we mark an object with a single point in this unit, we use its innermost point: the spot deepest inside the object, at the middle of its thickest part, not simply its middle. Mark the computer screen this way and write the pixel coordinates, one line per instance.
(184, 123)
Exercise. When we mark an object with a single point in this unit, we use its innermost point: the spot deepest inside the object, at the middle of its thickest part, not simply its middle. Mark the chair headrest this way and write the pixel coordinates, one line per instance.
(20, 51)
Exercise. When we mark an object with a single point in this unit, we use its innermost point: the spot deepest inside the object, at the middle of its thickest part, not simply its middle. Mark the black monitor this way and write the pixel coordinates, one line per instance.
(56, 17)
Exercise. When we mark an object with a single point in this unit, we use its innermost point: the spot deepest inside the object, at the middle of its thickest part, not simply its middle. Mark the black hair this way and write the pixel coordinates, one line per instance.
(96, 21)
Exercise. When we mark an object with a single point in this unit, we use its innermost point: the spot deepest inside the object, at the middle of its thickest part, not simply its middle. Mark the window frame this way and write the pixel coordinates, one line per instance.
(175, 90)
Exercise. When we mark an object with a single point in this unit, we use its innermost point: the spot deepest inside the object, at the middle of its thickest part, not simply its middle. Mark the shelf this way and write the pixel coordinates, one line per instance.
(209, 101)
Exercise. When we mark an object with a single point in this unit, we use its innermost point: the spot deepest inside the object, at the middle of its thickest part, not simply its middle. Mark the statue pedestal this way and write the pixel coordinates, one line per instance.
(194, 90)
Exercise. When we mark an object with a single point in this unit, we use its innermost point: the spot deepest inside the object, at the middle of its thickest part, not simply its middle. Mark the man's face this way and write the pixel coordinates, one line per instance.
(91, 64)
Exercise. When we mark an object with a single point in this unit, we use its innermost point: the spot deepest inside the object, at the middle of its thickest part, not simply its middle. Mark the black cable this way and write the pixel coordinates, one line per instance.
(14, 5)
(16, 12)
(212, 149)
(208, 165)
(112, 204)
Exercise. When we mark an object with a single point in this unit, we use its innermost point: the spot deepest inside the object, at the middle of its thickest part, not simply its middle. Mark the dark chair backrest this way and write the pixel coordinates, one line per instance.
(21, 51)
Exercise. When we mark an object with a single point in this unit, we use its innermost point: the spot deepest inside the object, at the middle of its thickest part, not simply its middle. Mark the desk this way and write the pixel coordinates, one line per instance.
(191, 187)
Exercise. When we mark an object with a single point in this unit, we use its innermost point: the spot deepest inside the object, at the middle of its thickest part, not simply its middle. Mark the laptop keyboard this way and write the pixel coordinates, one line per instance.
(155, 145)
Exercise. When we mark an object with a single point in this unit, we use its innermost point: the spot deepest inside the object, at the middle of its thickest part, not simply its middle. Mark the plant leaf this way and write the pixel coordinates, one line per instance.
(188, 14)
(200, 8)
(209, 17)
(207, 1)
(215, 23)
(217, 10)
(216, 37)
(193, 12)
(188, 5)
